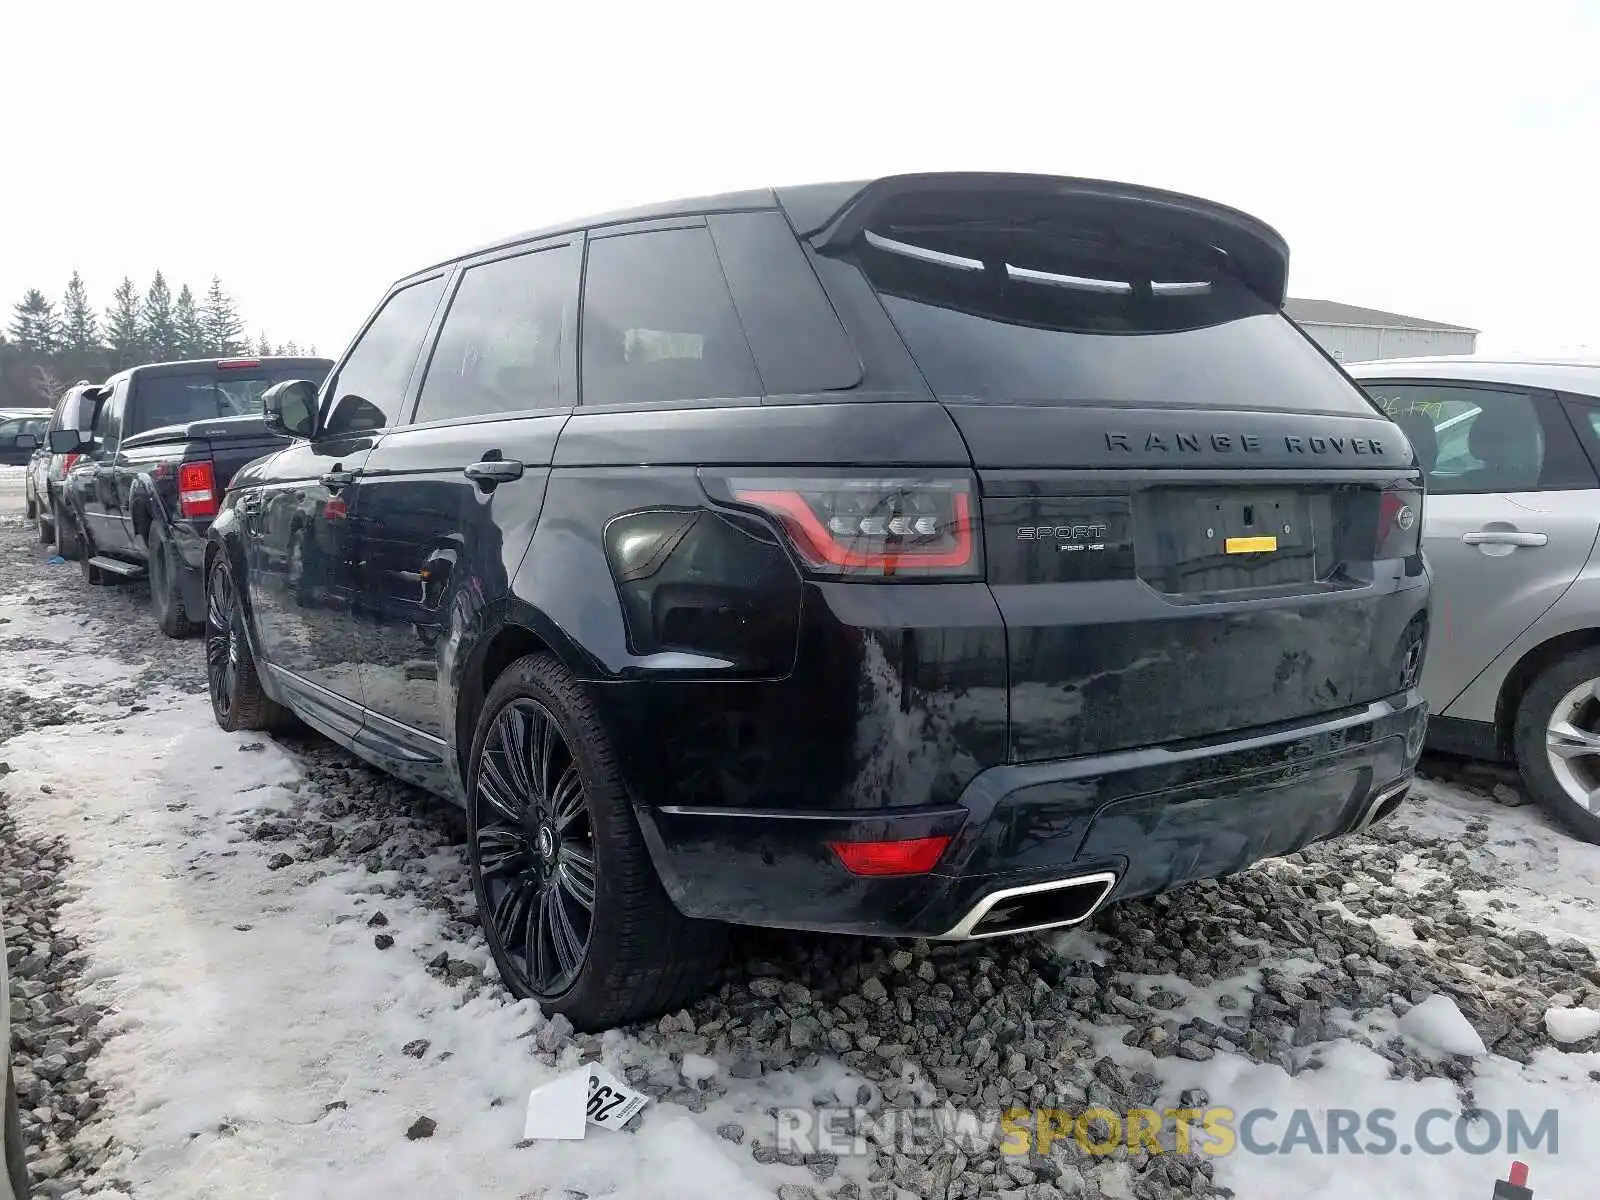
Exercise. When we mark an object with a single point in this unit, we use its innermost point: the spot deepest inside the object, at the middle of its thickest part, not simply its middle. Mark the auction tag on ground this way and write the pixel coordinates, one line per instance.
(611, 1102)
(563, 1108)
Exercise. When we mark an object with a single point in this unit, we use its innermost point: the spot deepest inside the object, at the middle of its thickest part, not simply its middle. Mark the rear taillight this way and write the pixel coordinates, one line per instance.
(197, 490)
(67, 460)
(874, 528)
(1399, 523)
(235, 364)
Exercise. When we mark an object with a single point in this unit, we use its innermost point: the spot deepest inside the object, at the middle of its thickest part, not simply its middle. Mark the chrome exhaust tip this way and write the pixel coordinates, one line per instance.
(1028, 908)
(1382, 806)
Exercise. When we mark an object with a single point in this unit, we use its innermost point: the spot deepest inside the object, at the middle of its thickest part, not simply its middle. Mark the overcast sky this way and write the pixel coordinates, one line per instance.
(1436, 159)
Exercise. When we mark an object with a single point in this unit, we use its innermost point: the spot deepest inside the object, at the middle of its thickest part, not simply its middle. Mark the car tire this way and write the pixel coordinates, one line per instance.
(639, 956)
(166, 593)
(67, 544)
(30, 510)
(47, 527)
(1557, 741)
(16, 1150)
(237, 699)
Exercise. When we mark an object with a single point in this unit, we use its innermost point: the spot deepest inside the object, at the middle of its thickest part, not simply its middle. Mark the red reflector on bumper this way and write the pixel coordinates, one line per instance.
(910, 856)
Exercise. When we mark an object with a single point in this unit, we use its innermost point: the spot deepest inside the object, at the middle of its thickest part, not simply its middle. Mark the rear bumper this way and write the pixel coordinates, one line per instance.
(1151, 819)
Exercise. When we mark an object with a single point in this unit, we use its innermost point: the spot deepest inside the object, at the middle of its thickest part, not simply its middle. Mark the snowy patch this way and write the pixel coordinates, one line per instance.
(1569, 1025)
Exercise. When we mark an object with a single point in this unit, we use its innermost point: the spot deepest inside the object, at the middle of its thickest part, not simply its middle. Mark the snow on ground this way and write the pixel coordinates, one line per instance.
(256, 1028)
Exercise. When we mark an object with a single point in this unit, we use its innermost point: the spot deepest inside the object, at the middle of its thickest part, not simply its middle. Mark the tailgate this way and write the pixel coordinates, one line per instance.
(1194, 524)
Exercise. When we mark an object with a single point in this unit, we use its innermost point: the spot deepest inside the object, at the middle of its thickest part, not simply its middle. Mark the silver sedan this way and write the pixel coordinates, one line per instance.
(1512, 455)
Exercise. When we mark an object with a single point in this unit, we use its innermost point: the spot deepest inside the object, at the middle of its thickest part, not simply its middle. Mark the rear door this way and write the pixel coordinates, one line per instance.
(93, 478)
(1187, 509)
(448, 504)
(304, 552)
(1510, 519)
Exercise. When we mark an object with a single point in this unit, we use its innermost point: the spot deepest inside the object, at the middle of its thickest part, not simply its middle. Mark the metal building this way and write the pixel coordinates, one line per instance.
(1352, 334)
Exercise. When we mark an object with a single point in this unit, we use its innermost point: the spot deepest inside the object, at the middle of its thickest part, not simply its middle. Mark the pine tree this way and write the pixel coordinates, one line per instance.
(290, 349)
(80, 332)
(220, 320)
(156, 320)
(191, 340)
(123, 333)
(34, 324)
(263, 347)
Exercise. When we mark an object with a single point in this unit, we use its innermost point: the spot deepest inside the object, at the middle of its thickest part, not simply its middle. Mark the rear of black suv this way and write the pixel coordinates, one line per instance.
(1098, 579)
(941, 556)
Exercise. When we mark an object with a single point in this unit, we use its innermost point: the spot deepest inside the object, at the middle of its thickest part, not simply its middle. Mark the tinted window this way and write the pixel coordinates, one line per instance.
(370, 387)
(499, 349)
(107, 419)
(1051, 311)
(20, 425)
(178, 399)
(658, 323)
(1480, 439)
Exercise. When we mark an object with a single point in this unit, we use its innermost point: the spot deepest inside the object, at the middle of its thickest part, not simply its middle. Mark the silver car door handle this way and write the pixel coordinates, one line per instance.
(1504, 537)
(493, 470)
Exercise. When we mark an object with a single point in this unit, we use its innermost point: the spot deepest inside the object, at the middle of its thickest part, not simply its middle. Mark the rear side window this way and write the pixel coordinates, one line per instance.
(1043, 307)
(1473, 440)
(371, 385)
(658, 322)
(161, 400)
(499, 350)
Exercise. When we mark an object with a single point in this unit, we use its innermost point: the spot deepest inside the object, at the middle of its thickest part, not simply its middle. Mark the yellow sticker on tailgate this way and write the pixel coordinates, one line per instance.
(1250, 545)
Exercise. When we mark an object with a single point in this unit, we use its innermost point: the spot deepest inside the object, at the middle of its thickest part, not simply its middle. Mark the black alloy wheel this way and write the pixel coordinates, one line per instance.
(571, 905)
(237, 698)
(534, 848)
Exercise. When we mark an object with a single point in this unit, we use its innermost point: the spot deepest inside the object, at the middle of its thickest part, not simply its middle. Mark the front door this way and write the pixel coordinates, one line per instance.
(448, 505)
(1510, 517)
(304, 546)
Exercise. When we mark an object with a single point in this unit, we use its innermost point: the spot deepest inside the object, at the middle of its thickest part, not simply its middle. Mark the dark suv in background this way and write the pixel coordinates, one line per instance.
(943, 555)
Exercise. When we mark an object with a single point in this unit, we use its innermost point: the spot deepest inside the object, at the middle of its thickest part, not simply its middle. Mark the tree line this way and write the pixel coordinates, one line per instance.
(49, 345)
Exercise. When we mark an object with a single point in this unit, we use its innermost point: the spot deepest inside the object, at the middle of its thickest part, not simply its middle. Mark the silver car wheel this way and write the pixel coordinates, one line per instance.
(1572, 743)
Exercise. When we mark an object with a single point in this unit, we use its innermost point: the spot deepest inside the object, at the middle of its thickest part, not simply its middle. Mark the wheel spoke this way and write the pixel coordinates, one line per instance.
(497, 793)
(510, 914)
(575, 875)
(566, 804)
(545, 740)
(1566, 740)
(501, 850)
(538, 938)
(568, 945)
(513, 724)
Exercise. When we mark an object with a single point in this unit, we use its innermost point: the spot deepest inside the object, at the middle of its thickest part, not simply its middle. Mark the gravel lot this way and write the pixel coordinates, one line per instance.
(252, 968)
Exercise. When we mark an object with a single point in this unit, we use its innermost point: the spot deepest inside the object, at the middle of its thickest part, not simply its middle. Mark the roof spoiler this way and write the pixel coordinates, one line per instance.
(1256, 253)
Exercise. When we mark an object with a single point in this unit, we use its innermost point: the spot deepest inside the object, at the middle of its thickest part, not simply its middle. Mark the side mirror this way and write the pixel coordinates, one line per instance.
(290, 407)
(66, 441)
(27, 441)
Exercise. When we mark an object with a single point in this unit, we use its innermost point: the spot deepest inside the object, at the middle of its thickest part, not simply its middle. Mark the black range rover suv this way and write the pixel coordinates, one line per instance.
(945, 555)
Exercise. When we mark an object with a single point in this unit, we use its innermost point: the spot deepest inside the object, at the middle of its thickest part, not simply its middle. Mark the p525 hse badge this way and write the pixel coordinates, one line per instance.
(564, 1108)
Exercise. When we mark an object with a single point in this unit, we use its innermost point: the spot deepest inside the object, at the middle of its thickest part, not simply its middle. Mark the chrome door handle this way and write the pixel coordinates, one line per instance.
(493, 470)
(1504, 537)
(339, 479)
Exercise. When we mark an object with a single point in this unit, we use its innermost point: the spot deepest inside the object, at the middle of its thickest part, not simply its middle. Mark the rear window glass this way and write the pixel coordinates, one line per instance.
(1056, 311)
(161, 400)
